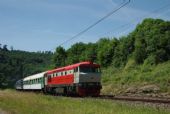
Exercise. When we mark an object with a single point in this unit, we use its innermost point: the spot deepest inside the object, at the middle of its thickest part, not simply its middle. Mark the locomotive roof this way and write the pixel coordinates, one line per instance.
(39, 75)
(69, 67)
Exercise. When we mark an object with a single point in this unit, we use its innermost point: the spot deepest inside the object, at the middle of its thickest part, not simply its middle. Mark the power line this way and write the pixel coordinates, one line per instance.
(89, 27)
(154, 11)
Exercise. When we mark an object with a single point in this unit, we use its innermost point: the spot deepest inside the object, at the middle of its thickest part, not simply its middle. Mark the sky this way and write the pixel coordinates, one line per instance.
(42, 25)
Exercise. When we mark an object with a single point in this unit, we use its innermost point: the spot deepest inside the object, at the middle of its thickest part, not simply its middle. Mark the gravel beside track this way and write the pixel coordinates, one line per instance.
(159, 103)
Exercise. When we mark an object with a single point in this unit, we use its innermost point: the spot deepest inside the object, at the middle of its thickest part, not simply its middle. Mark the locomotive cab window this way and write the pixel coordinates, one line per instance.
(89, 69)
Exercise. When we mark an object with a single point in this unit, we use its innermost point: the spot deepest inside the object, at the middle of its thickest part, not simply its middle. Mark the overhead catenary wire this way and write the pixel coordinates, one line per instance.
(94, 24)
(147, 15)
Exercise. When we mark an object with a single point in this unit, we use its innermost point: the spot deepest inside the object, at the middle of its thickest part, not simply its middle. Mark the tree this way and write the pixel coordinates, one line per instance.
(140, 51)
(106, 51)
(59, 57)
(153, 37)
(75, 53)
(5, 48)
(90, 53)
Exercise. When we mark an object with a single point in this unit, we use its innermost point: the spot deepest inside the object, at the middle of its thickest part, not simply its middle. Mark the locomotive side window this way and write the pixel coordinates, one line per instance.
(59, 74)
(68, 72)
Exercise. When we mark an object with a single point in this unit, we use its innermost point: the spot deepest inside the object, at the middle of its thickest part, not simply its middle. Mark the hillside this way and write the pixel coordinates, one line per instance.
(15, 64)
(140, 80)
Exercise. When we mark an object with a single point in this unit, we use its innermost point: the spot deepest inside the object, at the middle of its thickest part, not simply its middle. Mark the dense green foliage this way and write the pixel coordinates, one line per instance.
(13, 102)
(149, 43)
(16, 64)
(137, 79)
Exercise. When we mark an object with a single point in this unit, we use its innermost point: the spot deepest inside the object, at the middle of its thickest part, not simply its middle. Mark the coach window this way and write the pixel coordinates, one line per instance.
(56, 74)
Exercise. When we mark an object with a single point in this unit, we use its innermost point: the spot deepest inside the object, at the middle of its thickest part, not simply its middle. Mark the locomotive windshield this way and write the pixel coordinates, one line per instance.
(89, 69)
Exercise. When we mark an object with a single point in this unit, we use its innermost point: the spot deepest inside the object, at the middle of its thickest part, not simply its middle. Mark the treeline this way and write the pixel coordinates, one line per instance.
(15, 64)
(149, 43)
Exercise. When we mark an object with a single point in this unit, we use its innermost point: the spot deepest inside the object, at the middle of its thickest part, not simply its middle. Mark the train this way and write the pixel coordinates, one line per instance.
(81, 79)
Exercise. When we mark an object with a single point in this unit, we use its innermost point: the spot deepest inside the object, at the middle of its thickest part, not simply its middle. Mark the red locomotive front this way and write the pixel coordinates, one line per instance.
(83, 79)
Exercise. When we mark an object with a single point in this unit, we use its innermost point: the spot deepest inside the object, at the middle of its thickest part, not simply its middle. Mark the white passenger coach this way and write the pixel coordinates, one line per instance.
(34, 82)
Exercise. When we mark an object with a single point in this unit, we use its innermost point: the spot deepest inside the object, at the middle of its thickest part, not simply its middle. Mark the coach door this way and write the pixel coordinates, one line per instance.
(46, 79)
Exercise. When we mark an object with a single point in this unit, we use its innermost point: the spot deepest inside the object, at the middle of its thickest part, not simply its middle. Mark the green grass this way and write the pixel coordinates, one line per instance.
(30, 103)
(136, 76)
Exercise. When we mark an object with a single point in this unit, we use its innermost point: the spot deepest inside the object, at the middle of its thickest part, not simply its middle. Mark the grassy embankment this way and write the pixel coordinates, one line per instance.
(138, 79)
(30, 103)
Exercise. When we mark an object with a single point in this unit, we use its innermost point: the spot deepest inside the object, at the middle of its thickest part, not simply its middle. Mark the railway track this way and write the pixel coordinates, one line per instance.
(139, 99)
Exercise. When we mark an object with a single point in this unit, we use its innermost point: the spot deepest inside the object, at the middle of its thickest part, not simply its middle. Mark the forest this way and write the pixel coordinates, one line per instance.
(147, 45)
(16, 64)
